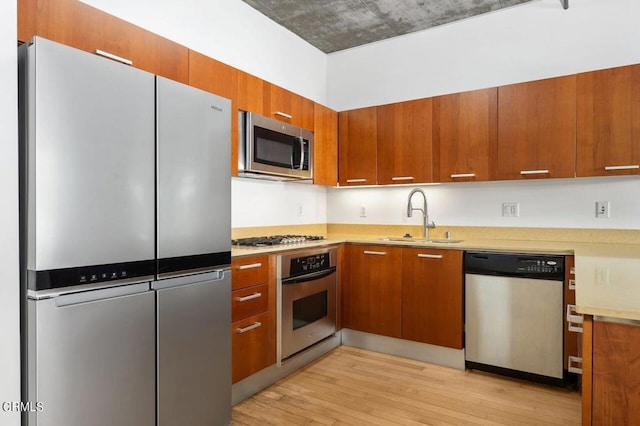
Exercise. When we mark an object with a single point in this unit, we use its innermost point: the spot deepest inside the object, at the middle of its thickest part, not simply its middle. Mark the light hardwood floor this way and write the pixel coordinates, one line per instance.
(350, 386)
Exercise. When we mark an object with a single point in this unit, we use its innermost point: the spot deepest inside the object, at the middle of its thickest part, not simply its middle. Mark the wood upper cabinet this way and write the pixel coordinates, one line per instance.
(287, 106)
(465, 130)
(325, 148)
(372, 289)
(250, 93)
(216, 77)
(537, 129)
(432, 297)
(615, 374)
(79, 25)
(404, 142)
(357, 154)
(608, 104)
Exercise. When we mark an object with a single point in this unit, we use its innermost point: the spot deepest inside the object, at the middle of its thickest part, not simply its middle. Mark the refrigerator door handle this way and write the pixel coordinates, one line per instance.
(98, 295)
(215, 275)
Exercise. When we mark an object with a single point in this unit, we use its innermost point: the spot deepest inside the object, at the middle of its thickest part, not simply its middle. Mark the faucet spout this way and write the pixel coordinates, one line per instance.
(424, 210)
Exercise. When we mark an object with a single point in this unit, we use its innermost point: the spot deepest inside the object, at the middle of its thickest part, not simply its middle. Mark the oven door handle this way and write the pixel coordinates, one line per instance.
(309, 277)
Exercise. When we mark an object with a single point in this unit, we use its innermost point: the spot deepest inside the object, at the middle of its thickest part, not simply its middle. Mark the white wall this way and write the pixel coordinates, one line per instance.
(267, 203)
(525, 42)
(234, 33)
(553, 203)
(9, 279)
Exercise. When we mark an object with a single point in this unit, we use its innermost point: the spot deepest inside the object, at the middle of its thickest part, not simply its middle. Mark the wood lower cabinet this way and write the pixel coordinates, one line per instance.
(79, 25)
(432, 297)
(611, 386)
(404, 142)
(537, 129)
(465, 131)
(253, 315)
(372, 289)
(608, 118)
(325, 146)
(358, 135)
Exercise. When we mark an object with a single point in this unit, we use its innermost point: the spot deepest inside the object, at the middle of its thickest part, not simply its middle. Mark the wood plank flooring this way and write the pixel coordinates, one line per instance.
(351, 386)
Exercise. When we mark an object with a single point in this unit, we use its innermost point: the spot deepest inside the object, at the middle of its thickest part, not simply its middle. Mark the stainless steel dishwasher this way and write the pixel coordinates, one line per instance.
(514, 315)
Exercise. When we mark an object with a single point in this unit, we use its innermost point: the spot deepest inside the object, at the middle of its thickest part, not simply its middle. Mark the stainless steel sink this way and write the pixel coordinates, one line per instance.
(421, 240)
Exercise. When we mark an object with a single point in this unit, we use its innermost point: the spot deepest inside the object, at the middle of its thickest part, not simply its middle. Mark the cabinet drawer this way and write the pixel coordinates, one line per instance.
(249, 301)
(250, 346)
(249, 271)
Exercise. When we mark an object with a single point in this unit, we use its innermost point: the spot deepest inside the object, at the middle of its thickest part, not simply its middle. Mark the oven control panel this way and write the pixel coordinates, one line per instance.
(307, 264)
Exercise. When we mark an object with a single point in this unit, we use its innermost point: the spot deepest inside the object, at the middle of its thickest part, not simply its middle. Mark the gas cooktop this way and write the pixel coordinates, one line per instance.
(275, 240)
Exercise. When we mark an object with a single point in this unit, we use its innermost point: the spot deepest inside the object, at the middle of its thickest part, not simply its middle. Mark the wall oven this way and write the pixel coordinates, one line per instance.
(272, 149)
(307, 299)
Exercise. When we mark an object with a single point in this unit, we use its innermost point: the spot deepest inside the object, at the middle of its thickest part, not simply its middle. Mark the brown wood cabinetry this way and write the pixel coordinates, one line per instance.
(372, 289)
(325, 149)
(79, 25)
(608, 119)
(432, 297)
(250, 93)
(465, 127)
(611, 385)
(404, 142)
(537, 129)
(253, 308)
(287, 106)
(357, 143)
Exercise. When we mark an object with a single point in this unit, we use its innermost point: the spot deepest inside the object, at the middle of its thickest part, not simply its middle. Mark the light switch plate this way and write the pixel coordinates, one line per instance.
(510, 209)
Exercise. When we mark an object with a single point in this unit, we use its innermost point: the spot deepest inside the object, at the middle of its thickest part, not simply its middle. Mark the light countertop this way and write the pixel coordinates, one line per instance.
(607, 275)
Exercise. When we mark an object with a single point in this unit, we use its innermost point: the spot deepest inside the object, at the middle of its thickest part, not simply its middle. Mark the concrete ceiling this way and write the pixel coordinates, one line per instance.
(333, 25)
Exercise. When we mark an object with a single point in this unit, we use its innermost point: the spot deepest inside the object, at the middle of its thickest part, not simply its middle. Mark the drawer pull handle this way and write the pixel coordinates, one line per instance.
(402, 178)
(572, 270)
(571, 367)
(114, 57)
(356, 180)
(573, 318)
(250, 266)
(430, 256)
(463, 175)
(249, 327)
(572, 284)
(629, 167)
(284, 114)
(249, 297)
(375, 253)
(534, 172)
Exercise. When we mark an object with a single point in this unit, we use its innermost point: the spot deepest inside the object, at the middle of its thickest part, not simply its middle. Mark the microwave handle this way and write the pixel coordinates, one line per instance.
(301, 146)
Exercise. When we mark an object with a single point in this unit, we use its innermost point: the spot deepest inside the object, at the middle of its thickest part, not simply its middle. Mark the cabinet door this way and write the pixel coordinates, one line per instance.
(432, 297)
(250, 93)
(537, 129)
(325, 146)
(282, 105)
(216, 77)
(465, 130)
(357, 143)
(79, 25)
(372, 289)
(252, 346)
(609, 122)
(616, 369)
(404, 142)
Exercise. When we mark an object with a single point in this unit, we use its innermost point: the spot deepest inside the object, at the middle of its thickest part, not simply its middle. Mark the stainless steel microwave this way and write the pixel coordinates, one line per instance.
(271, 149)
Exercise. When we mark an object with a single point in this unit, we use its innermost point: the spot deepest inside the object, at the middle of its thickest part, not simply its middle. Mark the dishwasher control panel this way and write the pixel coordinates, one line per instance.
(548, 267)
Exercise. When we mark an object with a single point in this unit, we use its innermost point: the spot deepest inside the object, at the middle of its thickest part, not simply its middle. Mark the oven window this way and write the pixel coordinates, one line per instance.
(309, 309)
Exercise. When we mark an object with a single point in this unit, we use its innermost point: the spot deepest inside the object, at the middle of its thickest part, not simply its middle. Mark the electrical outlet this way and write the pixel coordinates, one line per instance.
(603, 209)
(299, 209)
(363, 211)
(510, 209)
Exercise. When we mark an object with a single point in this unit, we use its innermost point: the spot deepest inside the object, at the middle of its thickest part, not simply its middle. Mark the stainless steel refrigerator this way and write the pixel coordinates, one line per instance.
(125, 232)
(88, 232)
(194, 255)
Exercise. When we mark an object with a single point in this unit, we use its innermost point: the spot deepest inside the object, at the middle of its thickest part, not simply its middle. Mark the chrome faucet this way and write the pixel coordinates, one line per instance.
(425, 213)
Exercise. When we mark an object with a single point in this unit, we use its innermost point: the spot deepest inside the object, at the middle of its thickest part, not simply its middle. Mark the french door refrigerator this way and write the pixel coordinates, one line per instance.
(194, 255)
(88, 234)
